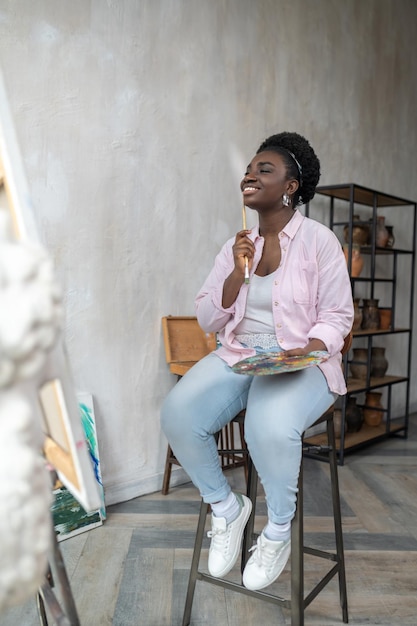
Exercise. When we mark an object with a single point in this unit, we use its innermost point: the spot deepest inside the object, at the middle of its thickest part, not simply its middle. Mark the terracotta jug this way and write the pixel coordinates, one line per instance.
(373, 411)
(385, 318)
(357, 259)
(382, 235)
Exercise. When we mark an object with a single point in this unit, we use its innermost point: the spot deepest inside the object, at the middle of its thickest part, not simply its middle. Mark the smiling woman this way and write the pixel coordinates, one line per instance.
(298, 302)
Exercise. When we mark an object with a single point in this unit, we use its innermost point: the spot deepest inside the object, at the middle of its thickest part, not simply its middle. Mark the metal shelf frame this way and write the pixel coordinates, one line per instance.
(350, 195)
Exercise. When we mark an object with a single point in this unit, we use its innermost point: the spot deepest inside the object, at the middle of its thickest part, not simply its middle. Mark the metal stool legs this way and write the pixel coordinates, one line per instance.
(298, 602)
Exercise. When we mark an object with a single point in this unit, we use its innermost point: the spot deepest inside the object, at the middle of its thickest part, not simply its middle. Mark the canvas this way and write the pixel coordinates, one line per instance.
(69, 517)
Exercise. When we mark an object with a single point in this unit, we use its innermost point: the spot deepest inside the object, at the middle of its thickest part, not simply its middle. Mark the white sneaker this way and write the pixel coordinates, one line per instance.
(226, 539)
(266, 563)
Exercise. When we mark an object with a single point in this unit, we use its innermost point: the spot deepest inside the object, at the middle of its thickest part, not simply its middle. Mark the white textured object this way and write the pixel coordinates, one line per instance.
(30, 312)
(25, 497)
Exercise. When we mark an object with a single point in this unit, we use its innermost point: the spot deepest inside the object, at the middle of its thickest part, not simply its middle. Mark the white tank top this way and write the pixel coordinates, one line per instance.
(258, 315)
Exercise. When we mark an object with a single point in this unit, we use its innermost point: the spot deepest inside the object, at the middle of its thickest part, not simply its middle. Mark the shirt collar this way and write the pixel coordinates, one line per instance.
(293, 225)
(289, 229)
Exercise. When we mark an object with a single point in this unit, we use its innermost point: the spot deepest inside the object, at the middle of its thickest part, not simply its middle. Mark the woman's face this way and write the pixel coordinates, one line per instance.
(265, 181)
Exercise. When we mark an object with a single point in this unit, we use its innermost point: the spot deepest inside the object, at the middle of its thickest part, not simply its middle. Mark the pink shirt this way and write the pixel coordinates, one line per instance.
(311, 296)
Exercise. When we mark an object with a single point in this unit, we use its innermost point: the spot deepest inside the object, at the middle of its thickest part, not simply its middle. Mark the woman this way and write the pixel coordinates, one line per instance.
(298, 300)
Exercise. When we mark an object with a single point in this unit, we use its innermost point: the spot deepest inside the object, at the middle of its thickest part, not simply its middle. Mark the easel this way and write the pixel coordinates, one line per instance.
(59, 412)
(66, 616)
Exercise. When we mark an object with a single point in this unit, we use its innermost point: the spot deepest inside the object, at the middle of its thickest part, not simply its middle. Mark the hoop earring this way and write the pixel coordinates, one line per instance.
(286, 199)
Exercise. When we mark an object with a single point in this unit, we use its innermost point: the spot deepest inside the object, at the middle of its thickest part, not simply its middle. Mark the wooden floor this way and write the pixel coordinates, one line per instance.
(133, 570)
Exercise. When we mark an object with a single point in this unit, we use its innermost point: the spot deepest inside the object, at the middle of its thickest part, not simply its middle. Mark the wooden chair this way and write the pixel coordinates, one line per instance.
(186, 343)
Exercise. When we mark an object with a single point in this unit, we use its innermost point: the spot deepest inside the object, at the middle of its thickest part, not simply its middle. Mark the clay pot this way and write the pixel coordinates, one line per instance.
(379, 363)
(359, 369)
(360, 232)
(385, 318)
(356, 258)
(373, 412)
(370, 311)
(382, 235)
(357, 318)
(353, 416)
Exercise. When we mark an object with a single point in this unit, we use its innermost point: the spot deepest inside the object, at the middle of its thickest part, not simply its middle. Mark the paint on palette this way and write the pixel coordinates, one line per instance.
(270, 363)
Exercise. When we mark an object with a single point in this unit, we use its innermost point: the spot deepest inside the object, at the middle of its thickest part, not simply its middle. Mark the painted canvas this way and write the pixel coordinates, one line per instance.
(69, 517)
(86, 404)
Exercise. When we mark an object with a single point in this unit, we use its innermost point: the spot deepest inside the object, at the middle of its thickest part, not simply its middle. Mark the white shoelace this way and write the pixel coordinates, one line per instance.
(265, 557)
(219, 538)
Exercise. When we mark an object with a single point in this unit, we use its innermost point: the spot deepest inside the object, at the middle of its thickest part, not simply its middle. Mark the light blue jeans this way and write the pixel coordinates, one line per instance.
(279, 408)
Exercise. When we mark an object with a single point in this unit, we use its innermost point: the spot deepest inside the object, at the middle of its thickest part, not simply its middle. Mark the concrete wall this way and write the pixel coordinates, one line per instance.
(128, 114)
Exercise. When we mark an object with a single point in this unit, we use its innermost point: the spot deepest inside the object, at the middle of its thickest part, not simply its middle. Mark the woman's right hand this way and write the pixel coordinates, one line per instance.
(243, 247)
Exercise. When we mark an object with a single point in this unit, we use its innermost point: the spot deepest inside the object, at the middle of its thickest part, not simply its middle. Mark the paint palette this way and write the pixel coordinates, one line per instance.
(277, 363)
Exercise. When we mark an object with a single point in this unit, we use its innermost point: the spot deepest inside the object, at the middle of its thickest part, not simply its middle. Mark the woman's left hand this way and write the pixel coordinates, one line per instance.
(313, 345)
(296, 352)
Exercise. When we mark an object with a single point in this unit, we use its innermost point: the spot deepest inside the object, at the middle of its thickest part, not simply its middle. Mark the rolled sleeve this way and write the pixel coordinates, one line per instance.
(211, 315)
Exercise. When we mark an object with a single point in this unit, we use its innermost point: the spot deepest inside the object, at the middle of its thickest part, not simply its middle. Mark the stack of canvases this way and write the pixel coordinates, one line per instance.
(30, 316)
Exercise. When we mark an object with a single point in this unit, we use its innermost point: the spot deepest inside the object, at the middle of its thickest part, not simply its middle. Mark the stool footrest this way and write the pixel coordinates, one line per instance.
(274, 599)
(316, 449)
(228, 584)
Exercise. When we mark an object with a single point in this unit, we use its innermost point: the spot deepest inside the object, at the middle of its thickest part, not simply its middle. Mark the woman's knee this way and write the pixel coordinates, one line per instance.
(173, 414)
(270, 433)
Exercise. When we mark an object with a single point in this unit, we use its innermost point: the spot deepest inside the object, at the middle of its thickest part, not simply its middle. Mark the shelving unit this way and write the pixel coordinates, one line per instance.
(388, 276)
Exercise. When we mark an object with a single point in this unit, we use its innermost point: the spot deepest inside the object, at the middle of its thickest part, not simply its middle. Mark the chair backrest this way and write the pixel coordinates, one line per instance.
(185, 342)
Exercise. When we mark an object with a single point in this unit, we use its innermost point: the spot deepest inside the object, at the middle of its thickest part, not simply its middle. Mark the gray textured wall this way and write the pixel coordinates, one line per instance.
(128, 112)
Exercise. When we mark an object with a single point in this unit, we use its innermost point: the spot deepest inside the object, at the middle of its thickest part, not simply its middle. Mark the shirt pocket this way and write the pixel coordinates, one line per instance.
(305, 283)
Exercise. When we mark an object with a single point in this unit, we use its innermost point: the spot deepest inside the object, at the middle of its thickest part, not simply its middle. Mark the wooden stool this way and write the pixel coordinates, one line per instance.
(298, 602)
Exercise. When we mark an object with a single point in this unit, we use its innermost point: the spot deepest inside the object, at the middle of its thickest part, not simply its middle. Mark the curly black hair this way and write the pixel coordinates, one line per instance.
(290, 145)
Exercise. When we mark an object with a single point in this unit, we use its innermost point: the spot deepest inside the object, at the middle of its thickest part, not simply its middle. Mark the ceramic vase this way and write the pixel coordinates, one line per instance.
(385, 318)
(356, 258)
(359, 366)
(379, 363)
(353, 415)
(373, 411)
(357, 317)
(360, 232)
(382, 235)
(370, 311)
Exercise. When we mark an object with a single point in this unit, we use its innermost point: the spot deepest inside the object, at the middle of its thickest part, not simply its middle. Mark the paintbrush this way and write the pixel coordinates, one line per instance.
(244, 228)
(238, 166)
